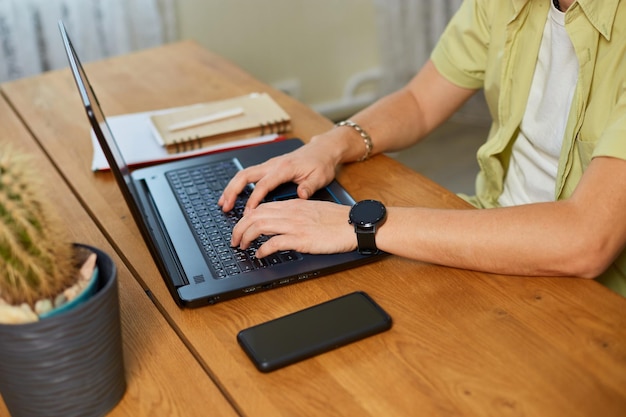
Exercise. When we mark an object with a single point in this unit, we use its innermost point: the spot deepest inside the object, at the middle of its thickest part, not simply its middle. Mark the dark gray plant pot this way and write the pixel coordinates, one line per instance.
(70, 364)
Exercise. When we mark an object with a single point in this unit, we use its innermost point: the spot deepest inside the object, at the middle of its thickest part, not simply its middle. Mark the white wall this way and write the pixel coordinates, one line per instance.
(310, 47)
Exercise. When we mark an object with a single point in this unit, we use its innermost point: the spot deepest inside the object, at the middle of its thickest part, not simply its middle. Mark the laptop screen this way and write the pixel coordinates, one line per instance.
(118, 165)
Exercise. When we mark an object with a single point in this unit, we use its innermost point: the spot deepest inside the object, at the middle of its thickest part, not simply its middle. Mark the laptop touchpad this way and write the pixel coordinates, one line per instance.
(288, 192)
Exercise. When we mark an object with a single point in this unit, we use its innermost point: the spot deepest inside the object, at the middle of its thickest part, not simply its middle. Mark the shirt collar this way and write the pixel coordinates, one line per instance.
(601, 14)
(518, 5)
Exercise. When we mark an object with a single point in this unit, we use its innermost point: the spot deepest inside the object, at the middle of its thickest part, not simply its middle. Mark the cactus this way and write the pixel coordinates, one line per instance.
(36, 257)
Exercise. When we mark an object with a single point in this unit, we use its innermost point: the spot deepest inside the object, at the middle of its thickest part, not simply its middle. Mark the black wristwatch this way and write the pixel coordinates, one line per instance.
(367, 216)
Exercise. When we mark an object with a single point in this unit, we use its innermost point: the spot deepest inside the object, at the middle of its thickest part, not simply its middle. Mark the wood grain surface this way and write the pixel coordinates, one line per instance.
(463, 343)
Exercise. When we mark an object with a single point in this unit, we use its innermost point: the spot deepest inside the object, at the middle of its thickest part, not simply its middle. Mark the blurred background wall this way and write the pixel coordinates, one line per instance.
(335, 55)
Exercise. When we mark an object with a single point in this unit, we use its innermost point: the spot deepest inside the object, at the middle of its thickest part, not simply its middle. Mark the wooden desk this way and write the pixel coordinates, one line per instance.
(163, 376)
(463, 343)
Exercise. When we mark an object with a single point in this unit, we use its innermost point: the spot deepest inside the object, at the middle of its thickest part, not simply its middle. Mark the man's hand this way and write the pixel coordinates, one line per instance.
(307, 226)
(311, 167)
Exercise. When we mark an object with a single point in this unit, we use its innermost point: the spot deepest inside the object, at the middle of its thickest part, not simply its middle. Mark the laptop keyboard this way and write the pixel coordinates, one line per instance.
(197, 190)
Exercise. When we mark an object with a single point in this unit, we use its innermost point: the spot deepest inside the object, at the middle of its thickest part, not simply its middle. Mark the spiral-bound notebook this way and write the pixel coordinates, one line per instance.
(211, 123)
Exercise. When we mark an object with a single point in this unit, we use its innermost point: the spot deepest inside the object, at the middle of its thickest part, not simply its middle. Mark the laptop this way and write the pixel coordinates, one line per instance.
(175, 207)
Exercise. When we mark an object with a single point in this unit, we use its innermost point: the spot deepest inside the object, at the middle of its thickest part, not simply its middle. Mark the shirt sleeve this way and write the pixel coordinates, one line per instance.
(613, 140)
(461, 53)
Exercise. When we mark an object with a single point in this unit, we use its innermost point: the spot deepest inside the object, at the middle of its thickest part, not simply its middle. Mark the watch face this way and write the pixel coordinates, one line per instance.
(367, 212)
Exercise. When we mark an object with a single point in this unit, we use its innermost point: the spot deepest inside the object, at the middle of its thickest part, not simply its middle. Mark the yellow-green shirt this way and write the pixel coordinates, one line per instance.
(494, 44)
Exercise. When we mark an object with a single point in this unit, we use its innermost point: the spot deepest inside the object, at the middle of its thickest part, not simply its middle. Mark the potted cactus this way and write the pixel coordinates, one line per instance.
(60, 333)
(38, 263)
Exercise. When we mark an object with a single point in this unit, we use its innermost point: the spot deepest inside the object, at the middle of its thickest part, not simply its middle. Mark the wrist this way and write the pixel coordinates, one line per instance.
(365, 137)
(336, 146)
(367, 216)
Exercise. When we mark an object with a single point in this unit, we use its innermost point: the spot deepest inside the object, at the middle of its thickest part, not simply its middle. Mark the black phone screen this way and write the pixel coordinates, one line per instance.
(305, 333)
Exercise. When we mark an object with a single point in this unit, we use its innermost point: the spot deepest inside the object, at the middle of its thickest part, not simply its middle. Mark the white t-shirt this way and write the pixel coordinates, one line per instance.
(531, 176)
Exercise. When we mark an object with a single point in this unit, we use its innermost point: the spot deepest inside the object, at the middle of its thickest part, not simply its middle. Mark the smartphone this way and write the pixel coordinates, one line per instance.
(314, 330)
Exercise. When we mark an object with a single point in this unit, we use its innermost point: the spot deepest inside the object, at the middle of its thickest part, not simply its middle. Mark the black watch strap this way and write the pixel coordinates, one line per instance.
(366, 240)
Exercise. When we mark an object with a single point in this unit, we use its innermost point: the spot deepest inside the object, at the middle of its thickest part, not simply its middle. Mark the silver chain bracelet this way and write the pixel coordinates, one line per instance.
(366, 138)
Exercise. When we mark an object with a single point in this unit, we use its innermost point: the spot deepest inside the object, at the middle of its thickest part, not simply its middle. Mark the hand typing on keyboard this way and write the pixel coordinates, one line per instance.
(306, 226)
(309, 166)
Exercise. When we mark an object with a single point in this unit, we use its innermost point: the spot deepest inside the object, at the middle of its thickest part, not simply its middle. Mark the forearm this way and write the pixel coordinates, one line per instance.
(545, 239)
(393, 122)
(398, 120)
(580, 236)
